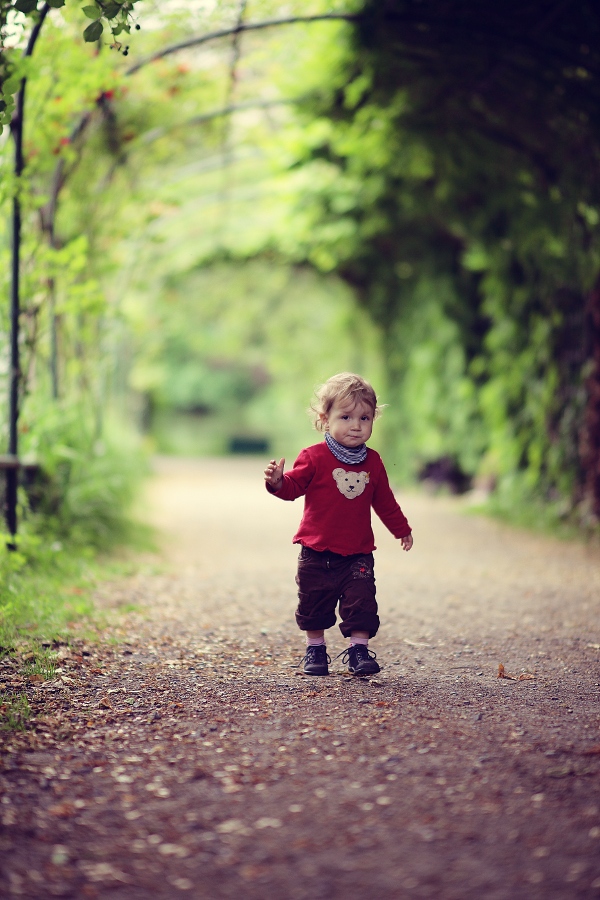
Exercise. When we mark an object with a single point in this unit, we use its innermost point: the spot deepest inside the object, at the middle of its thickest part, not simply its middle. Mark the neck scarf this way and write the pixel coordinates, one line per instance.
(351, 455)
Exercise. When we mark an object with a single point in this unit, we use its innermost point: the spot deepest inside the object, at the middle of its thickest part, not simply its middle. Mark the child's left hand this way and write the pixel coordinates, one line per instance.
(407, 542)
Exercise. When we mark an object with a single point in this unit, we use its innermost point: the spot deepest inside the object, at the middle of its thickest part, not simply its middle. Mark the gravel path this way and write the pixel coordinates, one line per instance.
(189, 757)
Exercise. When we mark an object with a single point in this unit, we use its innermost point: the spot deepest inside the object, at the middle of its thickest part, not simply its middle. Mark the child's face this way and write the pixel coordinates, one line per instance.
(350, 425)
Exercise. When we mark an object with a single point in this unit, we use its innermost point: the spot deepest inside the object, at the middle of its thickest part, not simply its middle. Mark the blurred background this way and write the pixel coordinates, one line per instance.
(239, 199)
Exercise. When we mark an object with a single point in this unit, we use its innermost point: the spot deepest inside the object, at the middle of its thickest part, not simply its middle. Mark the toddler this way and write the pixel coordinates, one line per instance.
(341, 479)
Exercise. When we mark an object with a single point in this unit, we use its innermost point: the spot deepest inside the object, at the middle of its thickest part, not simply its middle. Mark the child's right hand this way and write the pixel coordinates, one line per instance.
(274, 473)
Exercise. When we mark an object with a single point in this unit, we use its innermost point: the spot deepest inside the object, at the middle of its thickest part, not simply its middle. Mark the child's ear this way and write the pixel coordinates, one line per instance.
(324, 420)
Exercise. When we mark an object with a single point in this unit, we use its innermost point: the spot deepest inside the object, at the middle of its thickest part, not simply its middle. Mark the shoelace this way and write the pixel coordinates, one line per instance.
(345, 654)
(310, 652)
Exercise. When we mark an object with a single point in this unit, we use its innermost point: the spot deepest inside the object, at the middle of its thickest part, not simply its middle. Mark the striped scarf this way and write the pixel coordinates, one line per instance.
(351, 455)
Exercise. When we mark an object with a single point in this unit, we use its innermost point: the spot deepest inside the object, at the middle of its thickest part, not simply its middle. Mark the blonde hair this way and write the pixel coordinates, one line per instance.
(345, 387)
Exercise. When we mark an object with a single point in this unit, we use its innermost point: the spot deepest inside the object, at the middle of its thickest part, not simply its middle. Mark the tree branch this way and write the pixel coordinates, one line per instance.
(156, 133)
(60, 175)
(35, 31)
(227, 32)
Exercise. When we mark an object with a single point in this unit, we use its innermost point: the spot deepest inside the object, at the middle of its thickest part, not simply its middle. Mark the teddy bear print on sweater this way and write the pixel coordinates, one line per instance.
(350, 484)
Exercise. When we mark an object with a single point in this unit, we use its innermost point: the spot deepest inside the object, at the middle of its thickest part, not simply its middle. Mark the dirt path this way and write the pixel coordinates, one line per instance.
(191, 759)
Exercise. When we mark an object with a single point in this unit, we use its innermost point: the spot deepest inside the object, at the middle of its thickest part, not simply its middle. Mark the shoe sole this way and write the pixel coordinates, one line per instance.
(363, 674)
(318, 674)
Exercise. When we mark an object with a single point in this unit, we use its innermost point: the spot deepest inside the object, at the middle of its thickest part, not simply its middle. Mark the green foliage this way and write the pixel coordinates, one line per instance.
(93, 32)
(44, 588)
(88, 467)
(41, 662)
(88, 478)
(518, 502)
(25, 6)
(244, 343)
(453, 197)
(398, 205)
(19, 17)
(14, 713)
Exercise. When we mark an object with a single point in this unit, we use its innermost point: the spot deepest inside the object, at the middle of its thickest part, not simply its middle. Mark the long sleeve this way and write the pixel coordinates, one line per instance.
(297, 480)
(387, 508)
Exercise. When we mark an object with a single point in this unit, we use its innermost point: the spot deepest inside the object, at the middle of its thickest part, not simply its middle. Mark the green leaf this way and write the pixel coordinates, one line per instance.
(92, 12)
(26, 6)
(93, 32)
(56, 4)
(111, 10)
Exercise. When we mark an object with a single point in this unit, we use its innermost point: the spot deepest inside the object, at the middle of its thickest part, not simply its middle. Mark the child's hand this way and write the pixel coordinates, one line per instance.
(407, 542)
(274, 473)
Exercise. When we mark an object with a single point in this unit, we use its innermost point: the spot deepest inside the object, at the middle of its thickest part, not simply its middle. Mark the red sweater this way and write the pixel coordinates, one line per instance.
(338, 500)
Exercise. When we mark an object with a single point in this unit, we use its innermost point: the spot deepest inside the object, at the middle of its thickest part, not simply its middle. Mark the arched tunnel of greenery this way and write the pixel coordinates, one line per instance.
(405, 187)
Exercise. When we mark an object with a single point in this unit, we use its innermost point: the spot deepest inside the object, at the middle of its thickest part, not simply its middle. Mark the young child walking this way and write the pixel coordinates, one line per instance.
(340, 479)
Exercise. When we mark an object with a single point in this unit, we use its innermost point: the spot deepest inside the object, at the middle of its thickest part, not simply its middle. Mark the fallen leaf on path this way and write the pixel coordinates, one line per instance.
(101, 871)
(251, 873)
(173, 850)
(230, 826)
(560, 771)
(267, 822)
(105, 702)
(524, 676)
(62, 810)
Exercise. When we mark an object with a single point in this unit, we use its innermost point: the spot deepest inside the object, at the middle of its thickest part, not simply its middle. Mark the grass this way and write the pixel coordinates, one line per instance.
(46, 600)
(553, 519)
(43, 590)
(14, 713)
(41, 662)
(46, 592)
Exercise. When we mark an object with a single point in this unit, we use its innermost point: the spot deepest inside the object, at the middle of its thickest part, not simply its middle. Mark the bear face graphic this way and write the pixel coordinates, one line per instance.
(350, 484)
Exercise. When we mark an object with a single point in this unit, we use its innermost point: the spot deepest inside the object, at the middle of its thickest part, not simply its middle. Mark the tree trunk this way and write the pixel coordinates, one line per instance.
(17, 124)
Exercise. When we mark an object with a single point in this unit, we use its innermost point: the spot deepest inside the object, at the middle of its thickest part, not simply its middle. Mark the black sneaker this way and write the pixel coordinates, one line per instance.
(316, 660)
(361, 660)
